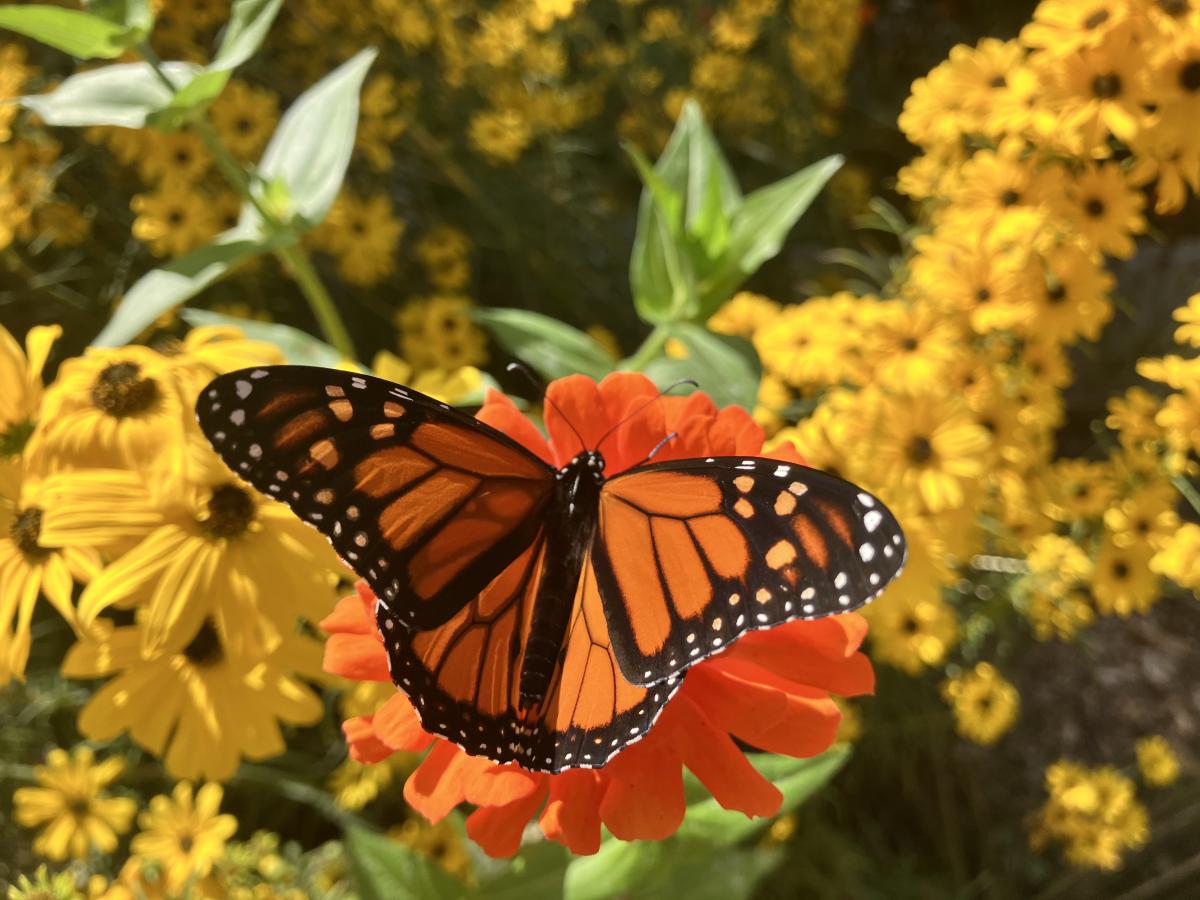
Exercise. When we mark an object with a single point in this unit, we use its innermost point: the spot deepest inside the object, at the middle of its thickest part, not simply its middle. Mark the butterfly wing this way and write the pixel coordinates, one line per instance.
(690, 554)
(427, 504)
(463, 677)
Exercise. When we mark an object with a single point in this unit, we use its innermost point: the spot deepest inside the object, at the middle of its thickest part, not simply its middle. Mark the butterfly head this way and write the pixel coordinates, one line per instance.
(589, 463)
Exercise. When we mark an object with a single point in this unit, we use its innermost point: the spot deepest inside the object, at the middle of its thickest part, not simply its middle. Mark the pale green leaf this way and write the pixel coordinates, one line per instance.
(124, 95)
(249, 22)
(725, 367)
(298, 347)
(81, 34)
(161, 290)
(386, 870)
(311, 148)
(552, 347)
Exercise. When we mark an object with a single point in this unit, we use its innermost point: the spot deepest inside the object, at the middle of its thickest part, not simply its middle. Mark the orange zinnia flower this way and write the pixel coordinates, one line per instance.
(771, 689)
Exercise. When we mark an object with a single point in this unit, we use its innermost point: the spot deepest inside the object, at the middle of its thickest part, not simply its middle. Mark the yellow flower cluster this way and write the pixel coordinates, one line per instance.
(1157, 761)
(985, 705)
(1093, 813)
(107, 482)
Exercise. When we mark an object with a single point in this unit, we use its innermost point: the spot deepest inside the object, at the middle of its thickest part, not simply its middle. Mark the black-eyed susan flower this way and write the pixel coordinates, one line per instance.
(1060, 27)
(1124, 583)
(245, 118)
(1157, 761)
(1093, 813)
(1105, 208)
(185, 833)
(744, 314)
(43, 886)
(111, 408)
(21, 377)
(201, 708)
(173, 219)
(174, 158)
(71, 807)
(363, 233)
(984, 703)
(911, 345)
(207, 546)
(1179, 559)
(32, 564)
(437, 332)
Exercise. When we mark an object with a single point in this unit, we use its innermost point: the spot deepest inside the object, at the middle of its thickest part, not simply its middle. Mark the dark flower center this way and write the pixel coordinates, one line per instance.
(1173, 8)
(910, 344)
(1120, 570)
(79, 807)
(1106, 86)
(185, 843)
(120, 391)
(13, 440)
(998, 82)
(230, 512)
(1096, 19)
(1010, 198)
(1189, 76)
(910, 626)
(1056, 293)
(920, 451)
(243, 125)
(983, 295)
(25, 530)
(183, 156)
(1094, 207)
(205, 648)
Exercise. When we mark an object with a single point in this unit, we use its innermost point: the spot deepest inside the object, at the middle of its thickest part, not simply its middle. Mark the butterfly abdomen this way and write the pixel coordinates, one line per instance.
(570, 523)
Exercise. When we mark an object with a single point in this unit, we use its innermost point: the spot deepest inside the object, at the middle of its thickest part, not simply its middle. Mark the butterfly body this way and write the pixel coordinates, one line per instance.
(570, 526)
(536, 614)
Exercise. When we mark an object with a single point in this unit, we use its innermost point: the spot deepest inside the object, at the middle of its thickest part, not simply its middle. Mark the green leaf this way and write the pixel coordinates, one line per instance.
(249, 22)
(660, 273)
(758, 228)
(552, 347)
(136, 14)
(618, 867)
(726, 367)
(712, 191)
(311, 148)
(81, 34)
(536, 873)
(125, 95)
(386, 870)
(190, 99)
(160, 290)
(797, 780)
(298, 347)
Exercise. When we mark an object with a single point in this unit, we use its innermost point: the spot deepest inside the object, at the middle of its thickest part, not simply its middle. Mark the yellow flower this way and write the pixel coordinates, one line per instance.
(1124, 582)
(32, 563)
(437, 333)
(208, 546)
(1146, 516)
(175, 158)
(1060, 27)
(1179, 558)
(1057, 559)
(959, 272)
(1058, 615)
(934, 453)
(445, 253)
(201, 709)
(1093, 812)
(1189, 331)
(911, 346)
(457, 387)
(212, 350)
(111, 408)
(500, 135)
(1079, 490)
(173, 220)
(985, 705)
(21, 384)
(1071, 296)
(1157, 761)
(78, 817)
(184, 836)
(245, 117)
(13, 74)
(364, 235)
(1105, 208)
(912, 627)
(744, 314)
(43, 886)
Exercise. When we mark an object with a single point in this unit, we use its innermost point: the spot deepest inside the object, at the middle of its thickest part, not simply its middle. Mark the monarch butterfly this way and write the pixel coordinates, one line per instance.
(537, 615)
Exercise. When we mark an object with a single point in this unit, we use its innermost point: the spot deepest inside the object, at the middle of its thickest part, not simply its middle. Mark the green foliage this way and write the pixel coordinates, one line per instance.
(311, 148)
(127, 95)
(82, 34)
(298, 347)
(386, 870)
(726, 367)
(698, 239)
(552, 347)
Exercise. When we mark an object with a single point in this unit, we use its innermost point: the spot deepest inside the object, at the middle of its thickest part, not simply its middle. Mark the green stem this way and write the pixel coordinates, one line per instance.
(294, 258)
(650, 348)
(319, 301)
(1188, 490)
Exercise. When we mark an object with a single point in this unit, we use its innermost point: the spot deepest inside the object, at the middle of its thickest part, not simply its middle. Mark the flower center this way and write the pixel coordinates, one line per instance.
(230, 511)
(205, 648)
(920, 451)
(910, 344)
(998, 82)
(1057, 293)
(14, 439)
(910, 625)
(1010, 198)
(1094, 207)
(1096, 19)
(1173, 8)
(25, 530)
(120, 391)
(79, 807)
(1120, 570)
(1106, 86)
(186, 843)
(983, 295)
(1189, 76)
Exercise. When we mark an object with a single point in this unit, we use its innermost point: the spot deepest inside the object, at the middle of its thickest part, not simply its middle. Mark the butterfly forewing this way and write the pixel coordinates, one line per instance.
(427, 504)
(690, 554)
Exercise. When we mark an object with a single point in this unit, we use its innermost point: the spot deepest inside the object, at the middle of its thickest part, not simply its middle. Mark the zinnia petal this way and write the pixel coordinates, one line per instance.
(644, 798)
(498, 829)
(572, 816)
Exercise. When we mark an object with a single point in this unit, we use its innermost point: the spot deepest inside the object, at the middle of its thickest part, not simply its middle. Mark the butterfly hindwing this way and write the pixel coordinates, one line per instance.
(463, 677)
(690, 554)
(427, 504)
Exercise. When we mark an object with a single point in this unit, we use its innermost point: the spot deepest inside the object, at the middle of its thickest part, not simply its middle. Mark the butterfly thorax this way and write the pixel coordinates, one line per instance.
(570, 523)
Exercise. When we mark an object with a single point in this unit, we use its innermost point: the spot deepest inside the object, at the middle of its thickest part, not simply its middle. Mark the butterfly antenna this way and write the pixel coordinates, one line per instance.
(670, 437)
(646, 406)
(539, 387)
